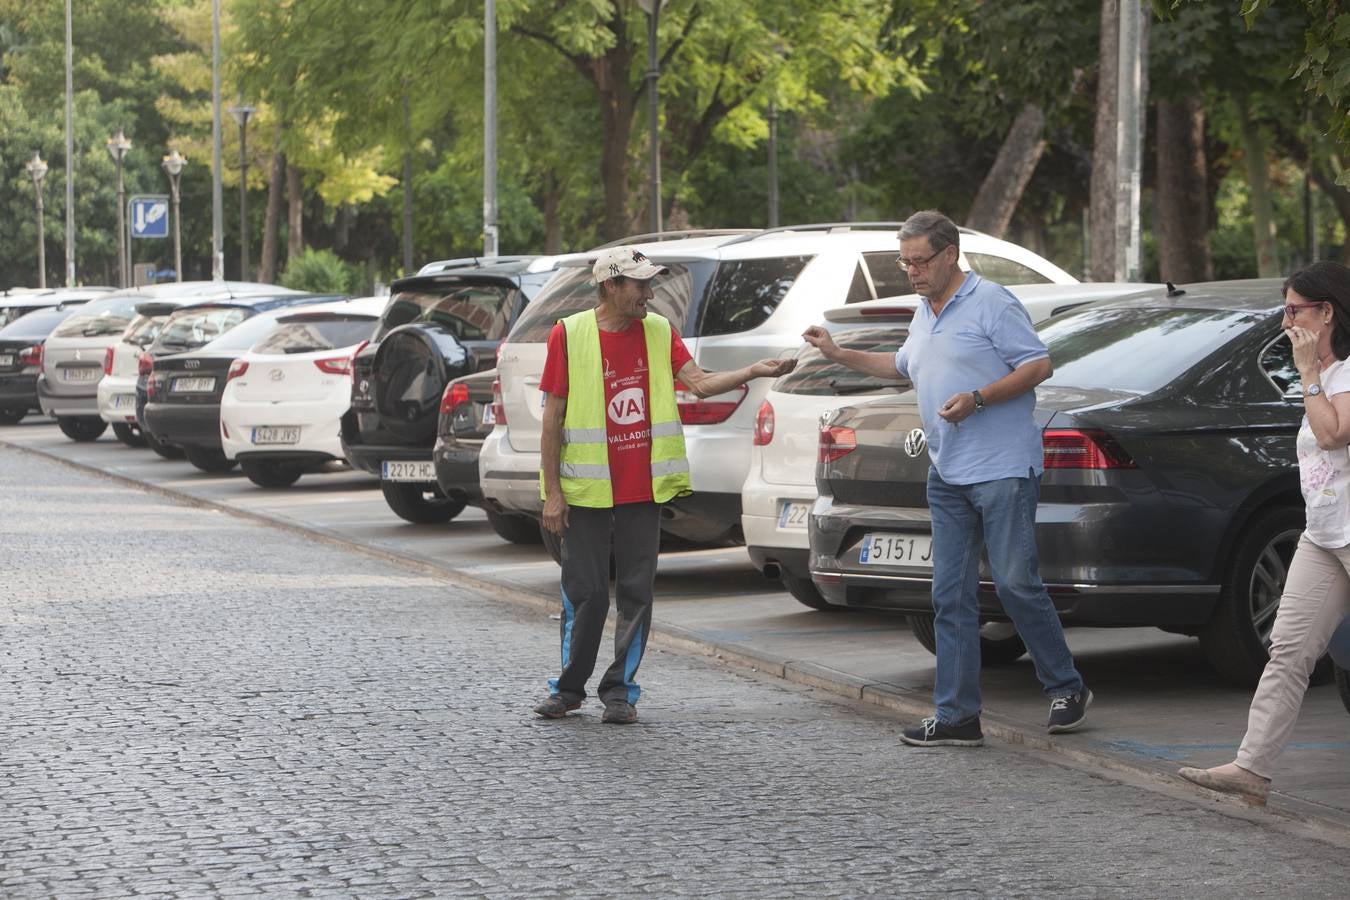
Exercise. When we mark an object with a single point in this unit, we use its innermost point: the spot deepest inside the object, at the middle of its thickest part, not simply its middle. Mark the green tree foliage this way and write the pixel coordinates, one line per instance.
(321, 272)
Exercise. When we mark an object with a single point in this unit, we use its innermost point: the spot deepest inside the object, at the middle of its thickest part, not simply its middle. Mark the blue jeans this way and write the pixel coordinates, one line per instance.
(1001, 515)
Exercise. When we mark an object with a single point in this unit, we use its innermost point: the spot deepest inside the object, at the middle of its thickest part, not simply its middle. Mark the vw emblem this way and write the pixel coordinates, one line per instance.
(915, 443)
(192, 364)
(276, 374)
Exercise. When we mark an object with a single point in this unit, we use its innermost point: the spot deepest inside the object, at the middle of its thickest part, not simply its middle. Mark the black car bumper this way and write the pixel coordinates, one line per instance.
(182, 425)
(457, 469)
(704, 518)
(19, 392)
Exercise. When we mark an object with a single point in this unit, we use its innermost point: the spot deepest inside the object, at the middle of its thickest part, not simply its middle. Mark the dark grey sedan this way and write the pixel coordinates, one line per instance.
(1170, 496)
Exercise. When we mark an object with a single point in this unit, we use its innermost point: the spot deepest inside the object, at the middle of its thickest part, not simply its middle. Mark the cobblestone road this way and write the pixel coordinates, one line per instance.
(193, 704)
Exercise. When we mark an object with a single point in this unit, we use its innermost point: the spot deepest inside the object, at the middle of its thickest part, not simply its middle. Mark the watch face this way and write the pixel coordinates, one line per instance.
(1314, 390)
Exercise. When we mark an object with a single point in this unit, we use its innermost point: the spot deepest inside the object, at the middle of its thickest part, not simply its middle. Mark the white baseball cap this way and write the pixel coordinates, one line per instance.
(625, 262)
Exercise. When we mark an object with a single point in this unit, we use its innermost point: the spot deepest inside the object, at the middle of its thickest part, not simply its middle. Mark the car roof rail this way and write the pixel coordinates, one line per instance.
(836, 227)
(468, 262)
(653, 237)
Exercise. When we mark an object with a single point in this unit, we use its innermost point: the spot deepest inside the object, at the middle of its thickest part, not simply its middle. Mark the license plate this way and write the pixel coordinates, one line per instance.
(893, 549)
(489, 414)
(272, 434)
(82, 374)
(124, 401)
(423, 472)
(7, 359)
(792, 515)
(185, 385)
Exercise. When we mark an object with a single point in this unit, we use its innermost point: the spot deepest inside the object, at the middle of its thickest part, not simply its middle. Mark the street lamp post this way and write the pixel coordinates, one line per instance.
(241, 114)
(173, 165)
(653, 10)
(118, 145)
(37, 169)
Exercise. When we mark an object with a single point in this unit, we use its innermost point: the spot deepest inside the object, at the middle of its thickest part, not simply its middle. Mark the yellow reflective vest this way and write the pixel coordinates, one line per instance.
(585, 446)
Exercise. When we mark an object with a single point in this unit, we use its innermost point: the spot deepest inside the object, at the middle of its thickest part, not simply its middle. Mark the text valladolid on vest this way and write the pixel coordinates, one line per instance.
(585, 447)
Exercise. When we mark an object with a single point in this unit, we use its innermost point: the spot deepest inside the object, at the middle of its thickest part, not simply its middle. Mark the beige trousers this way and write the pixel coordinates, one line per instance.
(1316, 598)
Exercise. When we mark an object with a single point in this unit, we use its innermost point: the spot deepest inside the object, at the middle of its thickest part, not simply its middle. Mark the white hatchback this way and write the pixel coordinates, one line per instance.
(125, 362)
(284, 399)
(781, 486)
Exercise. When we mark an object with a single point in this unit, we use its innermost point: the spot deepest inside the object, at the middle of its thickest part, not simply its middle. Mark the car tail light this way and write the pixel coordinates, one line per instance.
(498, 407)
(764, 424)
(1072, 448)
(837, 441)
(335, 365)
(697, 411)
(107, 361)
(31, 356)
(145, 364)
(454, 395)
(237, 368)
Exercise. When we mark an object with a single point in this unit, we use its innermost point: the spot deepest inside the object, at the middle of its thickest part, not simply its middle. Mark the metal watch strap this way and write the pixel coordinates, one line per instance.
(979, 400)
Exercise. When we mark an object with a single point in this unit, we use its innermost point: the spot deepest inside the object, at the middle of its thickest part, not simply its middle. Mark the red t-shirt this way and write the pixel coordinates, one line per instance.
(626, 410)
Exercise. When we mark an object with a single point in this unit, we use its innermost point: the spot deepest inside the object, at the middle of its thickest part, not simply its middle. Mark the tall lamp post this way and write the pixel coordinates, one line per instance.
(241, 114)
(173, 165)
(37, 169)
(653, 10)
(118, 145)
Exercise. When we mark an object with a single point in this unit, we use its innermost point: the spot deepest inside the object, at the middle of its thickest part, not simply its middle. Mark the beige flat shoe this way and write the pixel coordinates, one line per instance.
(1252, 788)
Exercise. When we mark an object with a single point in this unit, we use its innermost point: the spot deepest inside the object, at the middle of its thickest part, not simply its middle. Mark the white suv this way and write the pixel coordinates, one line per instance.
(735, 299)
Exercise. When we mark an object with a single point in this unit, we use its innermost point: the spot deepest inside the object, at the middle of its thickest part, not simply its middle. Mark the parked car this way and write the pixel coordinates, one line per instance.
(73, 358)
(468, 414)
(284, 397)
(191, 360)
(1171, 490)
(442, 323)
(777, 494)
(21, 343)
(125, 363)
(1340, 655)
(16, 303)
(735, 299)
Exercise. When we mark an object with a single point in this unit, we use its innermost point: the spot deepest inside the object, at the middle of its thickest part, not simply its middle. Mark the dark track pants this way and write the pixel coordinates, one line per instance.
(633, 530)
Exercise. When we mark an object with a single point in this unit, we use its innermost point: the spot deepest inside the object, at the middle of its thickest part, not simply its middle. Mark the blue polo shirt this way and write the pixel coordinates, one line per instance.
(982, 334)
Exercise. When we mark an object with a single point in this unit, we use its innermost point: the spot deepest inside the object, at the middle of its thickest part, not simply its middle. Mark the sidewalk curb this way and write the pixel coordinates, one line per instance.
(1298, 816)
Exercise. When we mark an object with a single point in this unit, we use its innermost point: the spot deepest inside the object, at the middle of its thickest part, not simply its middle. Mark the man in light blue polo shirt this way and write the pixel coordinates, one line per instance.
(975, 361)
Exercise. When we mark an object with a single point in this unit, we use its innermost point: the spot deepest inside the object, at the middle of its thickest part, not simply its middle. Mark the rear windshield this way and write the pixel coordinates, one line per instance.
(1001, 270)
(1139, 350)
(746, 292)
(110, 315)
(817, 376)
(34, 326)
(246, 333)
(317, 333)
(190, 329)
(572, 291)
(144, 329)
(474, 312)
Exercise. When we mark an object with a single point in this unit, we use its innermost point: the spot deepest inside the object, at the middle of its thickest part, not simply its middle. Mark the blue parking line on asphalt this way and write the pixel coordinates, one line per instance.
(1187, 751)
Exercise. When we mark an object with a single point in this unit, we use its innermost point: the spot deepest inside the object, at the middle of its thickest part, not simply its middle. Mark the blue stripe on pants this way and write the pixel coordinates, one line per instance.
(569, 617)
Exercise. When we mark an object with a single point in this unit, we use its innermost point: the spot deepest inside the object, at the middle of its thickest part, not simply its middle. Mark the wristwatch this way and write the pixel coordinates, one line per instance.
(1313, 390)
(979, 400)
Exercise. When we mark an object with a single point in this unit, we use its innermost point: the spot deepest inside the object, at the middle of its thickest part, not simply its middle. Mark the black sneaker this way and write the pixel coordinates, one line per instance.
(1067, 713)
(555, 707)
(932, 733)
(619, 712)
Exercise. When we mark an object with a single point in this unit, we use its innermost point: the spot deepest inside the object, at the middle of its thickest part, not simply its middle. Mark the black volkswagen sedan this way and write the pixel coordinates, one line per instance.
(1171, 490)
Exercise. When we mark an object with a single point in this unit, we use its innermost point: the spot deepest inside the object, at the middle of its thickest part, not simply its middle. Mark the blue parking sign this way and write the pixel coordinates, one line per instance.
(149, 216)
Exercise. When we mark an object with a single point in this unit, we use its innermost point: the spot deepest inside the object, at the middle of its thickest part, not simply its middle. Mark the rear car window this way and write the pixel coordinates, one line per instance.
(144, 329)
(1277, 361)
(247, 333)
(191, 329)
(817, 376)
(887, 276)
(1002, 270)
(35, 326)
(102, 317)
(1139, 350)
(572, 291)
(317, 333)
(475, 312)
(745, 292)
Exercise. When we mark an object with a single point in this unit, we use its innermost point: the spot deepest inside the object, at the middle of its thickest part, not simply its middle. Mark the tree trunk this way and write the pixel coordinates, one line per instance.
(617, 105)
(275, 184)
(1006, 180)
(1258, 186)
(1325, 179)
(1183, 202)
(552, 192)
(1102, 196)
(407, 188)
(295, 209)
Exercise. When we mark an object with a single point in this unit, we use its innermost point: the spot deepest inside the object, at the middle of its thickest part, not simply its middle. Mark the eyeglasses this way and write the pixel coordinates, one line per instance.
(1292, 309)
(906, 264)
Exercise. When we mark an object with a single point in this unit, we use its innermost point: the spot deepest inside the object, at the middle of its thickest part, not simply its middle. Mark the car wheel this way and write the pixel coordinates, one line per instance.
(420, 504)
(514, 528)
(1236, 640)
(271, 474)
(167, 451)
(128, 435)
(82, 428)
(806, 592)
(12, 416)
(209, 459)
(1000, 643)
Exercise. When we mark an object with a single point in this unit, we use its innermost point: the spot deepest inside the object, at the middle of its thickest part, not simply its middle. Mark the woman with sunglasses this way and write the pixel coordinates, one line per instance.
(1316, 594)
